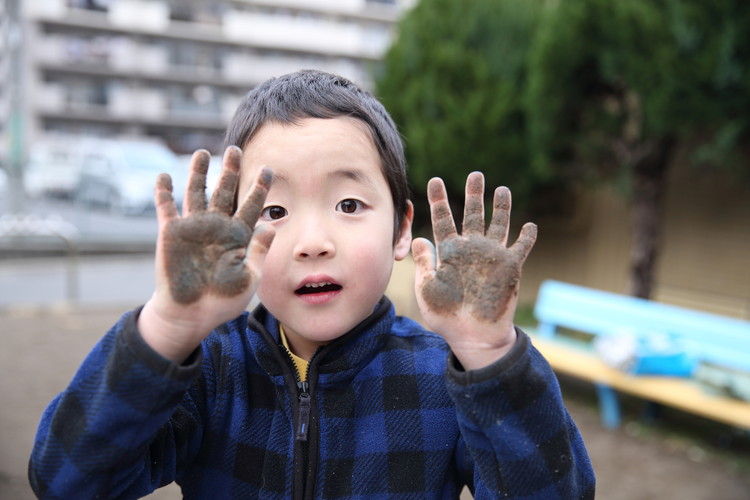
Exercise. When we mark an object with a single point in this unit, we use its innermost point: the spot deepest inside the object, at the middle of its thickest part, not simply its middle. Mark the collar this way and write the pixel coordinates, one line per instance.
(300, 363)
(336, 362)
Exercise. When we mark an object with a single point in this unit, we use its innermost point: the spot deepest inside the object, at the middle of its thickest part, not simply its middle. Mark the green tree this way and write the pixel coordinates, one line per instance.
(453, 82)
(540, 93)
(615, 87)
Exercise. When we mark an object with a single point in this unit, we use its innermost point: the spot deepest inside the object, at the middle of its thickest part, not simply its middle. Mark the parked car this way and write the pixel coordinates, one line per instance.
(120, 174)
(3, 182)
(53, 168)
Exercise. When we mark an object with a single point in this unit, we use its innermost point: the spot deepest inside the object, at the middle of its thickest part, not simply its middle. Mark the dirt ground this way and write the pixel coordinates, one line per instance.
(42, 348)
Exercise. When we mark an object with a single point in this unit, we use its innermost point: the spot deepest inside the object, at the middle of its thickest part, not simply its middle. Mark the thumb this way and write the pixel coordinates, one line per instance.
(525, 241)
(258, 249)
(425, 261)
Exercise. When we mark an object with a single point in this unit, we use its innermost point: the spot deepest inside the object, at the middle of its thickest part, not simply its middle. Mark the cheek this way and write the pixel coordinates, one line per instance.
(273, 265)
(372, 243)
(371, 260)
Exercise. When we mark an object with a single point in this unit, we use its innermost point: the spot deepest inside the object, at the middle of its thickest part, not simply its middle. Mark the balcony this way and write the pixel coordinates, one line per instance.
(301, 34)
(125, 105)
(332, 32)
(253, 69)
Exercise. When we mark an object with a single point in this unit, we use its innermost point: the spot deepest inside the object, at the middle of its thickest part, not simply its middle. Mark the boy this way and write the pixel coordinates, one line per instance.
(320, 392)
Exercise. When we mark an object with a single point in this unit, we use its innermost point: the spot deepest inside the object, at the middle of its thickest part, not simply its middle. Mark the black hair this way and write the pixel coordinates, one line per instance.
(316, 94)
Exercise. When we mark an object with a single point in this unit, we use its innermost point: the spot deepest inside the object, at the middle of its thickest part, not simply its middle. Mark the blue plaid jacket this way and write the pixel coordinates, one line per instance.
(380, 417)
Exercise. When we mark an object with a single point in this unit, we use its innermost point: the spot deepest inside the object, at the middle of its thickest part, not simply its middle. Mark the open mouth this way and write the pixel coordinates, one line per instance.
(322, 287)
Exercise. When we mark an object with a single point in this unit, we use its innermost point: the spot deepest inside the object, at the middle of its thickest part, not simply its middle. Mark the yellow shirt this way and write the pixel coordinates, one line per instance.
(300, 363)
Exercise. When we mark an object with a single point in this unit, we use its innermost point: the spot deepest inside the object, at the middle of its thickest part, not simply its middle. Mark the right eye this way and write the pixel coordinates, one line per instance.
(273, 212)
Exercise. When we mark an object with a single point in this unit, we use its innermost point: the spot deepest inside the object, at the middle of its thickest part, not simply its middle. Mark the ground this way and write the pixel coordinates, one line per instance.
(42, 348)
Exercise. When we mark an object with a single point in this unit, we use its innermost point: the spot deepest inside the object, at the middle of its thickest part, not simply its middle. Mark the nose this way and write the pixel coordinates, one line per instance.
(313, 240)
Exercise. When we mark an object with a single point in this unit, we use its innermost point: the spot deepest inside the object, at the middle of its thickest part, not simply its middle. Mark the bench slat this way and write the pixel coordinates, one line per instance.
(676, 392)
(710, 337)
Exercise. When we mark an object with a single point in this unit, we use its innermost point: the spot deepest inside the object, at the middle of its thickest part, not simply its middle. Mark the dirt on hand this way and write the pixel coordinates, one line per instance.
(204, 252)
(475, 270)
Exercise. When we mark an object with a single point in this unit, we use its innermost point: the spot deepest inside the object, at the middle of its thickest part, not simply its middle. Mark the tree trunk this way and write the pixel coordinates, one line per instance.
(649, 188)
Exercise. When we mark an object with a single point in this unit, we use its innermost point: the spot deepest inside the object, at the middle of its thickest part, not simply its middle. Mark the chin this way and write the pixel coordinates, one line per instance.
(326, 333)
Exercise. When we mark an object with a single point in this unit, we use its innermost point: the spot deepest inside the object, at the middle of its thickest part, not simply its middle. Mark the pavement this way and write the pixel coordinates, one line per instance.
(46, 332)
(86, 281)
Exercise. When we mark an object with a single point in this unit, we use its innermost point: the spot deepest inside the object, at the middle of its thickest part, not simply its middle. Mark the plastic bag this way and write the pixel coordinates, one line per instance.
(645, 354)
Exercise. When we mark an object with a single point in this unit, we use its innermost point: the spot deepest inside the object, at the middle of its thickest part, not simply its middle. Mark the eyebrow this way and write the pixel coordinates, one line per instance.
(353, 174)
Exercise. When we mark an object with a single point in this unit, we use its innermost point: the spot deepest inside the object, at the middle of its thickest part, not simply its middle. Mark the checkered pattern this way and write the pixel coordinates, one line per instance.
(386, 421)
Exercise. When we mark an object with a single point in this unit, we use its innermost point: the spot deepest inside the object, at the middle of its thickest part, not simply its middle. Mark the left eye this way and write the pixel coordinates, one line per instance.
(349, 206)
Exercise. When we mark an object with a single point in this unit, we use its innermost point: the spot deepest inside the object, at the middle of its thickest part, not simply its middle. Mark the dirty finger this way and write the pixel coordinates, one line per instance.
(195, 192)
(425, 261)
(252, 205)
(163, 200)
(474, 206)
(525, 241)
(440, 211)
(498, 229)
(222, 199)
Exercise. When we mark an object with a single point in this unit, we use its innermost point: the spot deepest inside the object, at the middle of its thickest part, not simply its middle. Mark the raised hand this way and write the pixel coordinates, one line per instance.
(467, 291)
(208, 261)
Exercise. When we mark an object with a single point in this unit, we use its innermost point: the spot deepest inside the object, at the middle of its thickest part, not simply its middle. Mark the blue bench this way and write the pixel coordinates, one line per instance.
(708, 340)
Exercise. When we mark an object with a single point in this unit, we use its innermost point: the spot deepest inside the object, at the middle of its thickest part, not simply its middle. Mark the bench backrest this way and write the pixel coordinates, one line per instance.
(709, 337)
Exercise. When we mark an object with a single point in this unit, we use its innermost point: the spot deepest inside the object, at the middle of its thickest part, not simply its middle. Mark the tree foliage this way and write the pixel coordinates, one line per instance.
(606, 79)
(558, 92)
(454, 85)
(615, 87)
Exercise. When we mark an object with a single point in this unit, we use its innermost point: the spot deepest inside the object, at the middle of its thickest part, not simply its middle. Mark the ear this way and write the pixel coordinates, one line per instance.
(403, 242)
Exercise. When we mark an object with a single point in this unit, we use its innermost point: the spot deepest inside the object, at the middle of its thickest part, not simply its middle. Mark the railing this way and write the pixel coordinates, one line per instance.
(28, 226)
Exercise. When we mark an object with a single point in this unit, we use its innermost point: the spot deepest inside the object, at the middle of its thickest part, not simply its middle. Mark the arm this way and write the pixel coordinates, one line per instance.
(521, 440)
(117, 431)
(127, 422)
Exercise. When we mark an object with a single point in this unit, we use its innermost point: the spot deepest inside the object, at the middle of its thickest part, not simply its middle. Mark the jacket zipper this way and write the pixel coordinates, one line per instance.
(302, 428)
(304, 398)
(303, 415)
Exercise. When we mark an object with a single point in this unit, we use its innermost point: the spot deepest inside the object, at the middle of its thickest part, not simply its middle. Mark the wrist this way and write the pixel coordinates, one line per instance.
(477, 355)
(506, 366)
(168, 335)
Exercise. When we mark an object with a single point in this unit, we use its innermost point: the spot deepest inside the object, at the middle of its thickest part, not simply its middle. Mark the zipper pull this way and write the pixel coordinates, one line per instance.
(303, 421)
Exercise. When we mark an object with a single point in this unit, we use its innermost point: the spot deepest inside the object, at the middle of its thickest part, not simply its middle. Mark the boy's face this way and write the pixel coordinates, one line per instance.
(332, 209)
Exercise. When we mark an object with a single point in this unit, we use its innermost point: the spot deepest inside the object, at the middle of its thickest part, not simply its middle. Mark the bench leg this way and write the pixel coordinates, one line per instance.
(609, 405)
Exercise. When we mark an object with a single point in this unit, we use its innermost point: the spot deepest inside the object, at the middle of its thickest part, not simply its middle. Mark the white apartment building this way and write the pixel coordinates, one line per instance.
(176, 69)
